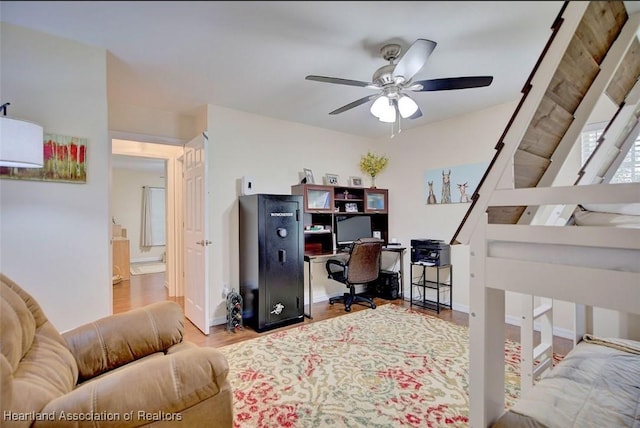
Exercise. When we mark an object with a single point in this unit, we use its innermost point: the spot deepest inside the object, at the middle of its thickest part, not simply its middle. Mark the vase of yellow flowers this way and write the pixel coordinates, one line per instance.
(373, 164)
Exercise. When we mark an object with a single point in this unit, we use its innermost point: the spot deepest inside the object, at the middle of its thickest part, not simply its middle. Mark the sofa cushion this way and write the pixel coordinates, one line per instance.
(18, 326)
(36, 364)
(168, 384)
(46, 372)
(116, 340)
(154, 371)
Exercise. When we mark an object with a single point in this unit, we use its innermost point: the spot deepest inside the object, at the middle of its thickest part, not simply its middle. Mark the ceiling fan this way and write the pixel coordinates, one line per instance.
(393, 80)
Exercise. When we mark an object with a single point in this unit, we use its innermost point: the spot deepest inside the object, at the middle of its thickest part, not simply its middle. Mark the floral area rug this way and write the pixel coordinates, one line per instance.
(387, 367)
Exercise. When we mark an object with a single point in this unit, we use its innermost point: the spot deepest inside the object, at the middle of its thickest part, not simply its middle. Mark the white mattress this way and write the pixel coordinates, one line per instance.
(583, 217)
(594, 386)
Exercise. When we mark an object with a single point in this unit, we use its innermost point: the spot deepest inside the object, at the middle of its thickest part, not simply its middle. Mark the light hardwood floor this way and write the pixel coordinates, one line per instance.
(141, 290)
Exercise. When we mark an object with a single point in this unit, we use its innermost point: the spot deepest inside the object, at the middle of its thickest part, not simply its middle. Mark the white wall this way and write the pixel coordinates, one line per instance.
(273, 152)
(62, 86)
(55, 236)
(156, 124)
(126, 206)
(467, 139)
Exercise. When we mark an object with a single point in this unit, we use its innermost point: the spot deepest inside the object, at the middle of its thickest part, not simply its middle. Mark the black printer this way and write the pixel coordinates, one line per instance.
(431, 252)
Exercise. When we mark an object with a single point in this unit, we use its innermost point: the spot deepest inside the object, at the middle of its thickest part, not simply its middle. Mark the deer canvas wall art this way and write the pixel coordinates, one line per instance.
(465, 177)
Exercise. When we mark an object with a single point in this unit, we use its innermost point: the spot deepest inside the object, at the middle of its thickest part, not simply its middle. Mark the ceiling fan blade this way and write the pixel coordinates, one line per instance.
(356, 103)
(413, 59)
(451, 83)
(341, 81)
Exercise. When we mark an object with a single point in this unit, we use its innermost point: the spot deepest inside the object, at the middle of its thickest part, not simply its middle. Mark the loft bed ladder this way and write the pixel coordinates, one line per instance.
(535, 360)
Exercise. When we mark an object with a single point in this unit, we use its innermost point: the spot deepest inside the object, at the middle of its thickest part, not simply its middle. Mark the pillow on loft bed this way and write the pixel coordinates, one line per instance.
(612, 215)
(627, 209)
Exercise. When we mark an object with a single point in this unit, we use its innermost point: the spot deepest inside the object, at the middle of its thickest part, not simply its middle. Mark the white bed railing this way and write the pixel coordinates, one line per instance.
(491, 276)
(592, 194)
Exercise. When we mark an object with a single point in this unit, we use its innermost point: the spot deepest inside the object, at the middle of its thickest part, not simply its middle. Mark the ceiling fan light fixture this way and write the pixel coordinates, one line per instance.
(380, 106)
(393, 80)
(383, 109)
(407, 106)
(389, 115)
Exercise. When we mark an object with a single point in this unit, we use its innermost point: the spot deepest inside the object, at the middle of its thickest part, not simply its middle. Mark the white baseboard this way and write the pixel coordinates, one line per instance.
(514, 320)
(559, 332)
(509, 319)
(218, 321)
(146, 259)
(317, 299)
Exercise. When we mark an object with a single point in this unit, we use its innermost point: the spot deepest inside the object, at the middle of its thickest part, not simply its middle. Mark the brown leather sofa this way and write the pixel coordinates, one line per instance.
(130, 369)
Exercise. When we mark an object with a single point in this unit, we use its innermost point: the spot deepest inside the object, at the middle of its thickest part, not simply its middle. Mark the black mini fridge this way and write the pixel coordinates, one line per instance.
(271, 260)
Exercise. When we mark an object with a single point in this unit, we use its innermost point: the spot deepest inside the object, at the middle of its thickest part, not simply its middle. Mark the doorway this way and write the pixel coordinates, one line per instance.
(164, 162)
(138, 195)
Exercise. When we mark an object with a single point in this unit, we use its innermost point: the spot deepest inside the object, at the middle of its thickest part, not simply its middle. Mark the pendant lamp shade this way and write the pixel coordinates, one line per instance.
(380, 106)
(389, 115)
(20, 143)
(383, 109)
(407, 106)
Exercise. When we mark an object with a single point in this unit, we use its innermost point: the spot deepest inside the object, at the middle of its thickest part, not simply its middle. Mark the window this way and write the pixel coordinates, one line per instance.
(153, 217)
(158, 222)
(629, 169)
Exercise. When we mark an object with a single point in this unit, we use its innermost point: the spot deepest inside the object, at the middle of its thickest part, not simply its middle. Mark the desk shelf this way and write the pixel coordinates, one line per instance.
(325, 205)
(441, 286)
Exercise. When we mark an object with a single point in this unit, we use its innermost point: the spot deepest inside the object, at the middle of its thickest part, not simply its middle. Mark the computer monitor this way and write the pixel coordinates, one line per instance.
(350, 229)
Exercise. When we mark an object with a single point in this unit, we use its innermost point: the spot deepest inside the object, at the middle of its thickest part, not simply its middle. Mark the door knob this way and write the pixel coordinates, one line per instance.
(204, 243)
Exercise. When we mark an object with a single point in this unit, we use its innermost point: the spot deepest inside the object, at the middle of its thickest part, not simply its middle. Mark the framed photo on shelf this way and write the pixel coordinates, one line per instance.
(351, 207)
(355, 181)
(308, 174)
(331, 179)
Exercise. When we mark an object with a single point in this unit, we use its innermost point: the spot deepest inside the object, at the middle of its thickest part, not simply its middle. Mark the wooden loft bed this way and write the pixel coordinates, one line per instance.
(593, 50)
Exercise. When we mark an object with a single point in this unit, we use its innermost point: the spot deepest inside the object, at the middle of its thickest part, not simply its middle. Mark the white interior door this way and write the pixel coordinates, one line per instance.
(196, 292)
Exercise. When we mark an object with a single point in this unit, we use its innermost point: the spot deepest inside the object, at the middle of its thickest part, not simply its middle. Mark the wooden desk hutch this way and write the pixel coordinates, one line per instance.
(325, 205)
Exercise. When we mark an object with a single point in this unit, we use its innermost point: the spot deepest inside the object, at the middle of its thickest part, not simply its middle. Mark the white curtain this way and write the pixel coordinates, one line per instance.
(145, 230)
(152, 232)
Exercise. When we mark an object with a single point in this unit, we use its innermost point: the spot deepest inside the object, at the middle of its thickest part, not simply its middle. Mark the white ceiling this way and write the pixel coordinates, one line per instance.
(253, 56)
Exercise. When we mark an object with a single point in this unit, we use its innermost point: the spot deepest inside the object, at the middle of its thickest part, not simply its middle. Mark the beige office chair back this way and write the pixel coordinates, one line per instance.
(362, 267)
(364, 261)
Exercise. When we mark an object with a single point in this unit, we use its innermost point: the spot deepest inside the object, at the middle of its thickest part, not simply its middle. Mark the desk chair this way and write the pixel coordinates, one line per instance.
(361, 267)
